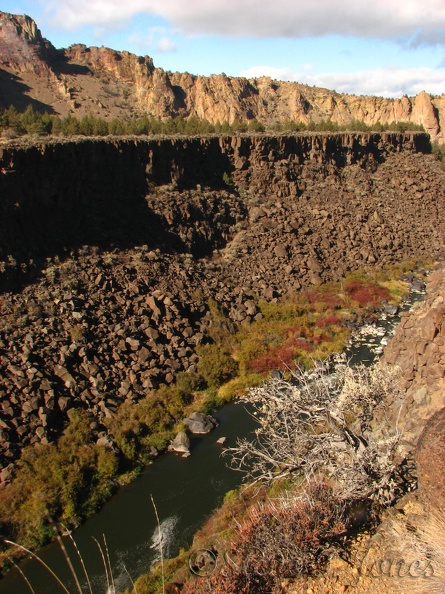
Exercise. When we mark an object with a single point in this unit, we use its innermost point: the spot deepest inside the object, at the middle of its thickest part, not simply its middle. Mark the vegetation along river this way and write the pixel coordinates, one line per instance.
(185, 492)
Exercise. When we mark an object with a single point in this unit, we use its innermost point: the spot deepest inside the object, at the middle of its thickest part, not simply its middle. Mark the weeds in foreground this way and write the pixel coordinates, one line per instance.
(77, 580)
(161, 550)
(106, 561)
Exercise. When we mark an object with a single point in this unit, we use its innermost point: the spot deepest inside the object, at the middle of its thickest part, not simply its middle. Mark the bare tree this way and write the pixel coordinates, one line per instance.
(318, 423)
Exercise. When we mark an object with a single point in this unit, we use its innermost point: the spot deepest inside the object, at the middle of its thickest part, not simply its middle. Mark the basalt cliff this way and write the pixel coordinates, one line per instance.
(108, 83)
(111, 252)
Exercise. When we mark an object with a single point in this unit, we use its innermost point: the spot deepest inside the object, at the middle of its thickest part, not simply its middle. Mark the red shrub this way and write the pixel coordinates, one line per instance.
(329, 298)
(299, 343)
(280, 539)
(322, 338)
(322, 322)
(278, 358)
(366, 294)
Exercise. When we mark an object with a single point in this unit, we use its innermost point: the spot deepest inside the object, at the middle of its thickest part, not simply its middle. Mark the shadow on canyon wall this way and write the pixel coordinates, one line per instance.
(178, 194)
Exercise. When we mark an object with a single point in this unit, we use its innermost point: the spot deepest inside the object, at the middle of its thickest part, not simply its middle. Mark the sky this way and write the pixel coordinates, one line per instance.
(366, 47)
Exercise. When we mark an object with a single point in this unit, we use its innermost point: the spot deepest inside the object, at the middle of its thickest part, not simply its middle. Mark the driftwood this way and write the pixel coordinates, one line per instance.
(318, 423)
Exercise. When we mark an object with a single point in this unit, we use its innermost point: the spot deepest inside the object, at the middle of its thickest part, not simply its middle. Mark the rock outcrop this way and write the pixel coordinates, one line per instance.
(418, 348)
(108, 83)
(429, 457)
(22, 47)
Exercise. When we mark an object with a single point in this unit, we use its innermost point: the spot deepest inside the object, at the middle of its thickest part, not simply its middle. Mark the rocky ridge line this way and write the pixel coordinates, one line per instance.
(109, 83)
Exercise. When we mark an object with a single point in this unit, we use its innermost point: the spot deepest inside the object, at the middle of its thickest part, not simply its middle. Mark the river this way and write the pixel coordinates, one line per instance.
(185, 492)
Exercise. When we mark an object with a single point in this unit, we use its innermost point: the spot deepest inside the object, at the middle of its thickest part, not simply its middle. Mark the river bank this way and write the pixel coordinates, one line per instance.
(95, 526)
(219, 544)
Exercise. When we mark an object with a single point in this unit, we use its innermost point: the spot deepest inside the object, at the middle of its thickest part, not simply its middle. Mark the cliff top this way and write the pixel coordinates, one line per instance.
(24, 142)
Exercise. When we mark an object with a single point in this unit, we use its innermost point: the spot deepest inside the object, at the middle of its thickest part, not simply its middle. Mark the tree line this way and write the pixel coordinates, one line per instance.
(32, 122)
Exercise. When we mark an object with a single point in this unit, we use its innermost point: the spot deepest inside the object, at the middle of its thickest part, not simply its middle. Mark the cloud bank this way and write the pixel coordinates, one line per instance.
(413, 22)
(156, 38)
(384, 82)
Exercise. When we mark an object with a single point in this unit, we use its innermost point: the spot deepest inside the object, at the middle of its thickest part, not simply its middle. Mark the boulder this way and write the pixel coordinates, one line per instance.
(199, 423)
(181, 443)
(64, 375)
(390, 309)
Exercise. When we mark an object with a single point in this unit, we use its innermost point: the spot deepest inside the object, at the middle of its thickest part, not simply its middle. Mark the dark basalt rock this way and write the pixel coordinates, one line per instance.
(199, 423)
(111, 251)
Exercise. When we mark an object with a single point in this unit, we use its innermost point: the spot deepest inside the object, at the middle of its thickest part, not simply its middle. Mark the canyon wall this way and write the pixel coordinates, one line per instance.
(112, 250)
(418, 349)
(58, 195)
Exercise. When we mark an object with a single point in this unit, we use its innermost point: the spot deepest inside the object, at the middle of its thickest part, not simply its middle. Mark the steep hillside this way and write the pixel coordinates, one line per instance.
(108, 83)
(111, 251)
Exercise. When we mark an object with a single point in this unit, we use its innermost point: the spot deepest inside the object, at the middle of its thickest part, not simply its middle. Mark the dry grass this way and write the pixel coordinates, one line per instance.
(419, 549)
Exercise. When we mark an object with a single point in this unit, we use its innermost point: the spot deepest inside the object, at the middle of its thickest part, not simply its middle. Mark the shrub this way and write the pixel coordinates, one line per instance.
(67, 482)
(328, 296)
(216, 365)
(366, 294)
(279, 358)
(77, 333)
(318, 417)
(278, 539)
(149, 423)
(256, 126)
(323, 322)
(190, 381)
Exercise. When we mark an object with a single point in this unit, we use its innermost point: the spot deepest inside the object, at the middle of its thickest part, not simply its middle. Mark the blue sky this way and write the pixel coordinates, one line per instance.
(375, 47)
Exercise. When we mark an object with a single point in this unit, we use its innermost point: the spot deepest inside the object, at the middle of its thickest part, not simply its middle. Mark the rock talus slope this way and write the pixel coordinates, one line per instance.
(111, 251)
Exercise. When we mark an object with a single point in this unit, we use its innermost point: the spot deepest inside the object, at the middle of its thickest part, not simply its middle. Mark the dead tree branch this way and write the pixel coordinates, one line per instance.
(318, 422)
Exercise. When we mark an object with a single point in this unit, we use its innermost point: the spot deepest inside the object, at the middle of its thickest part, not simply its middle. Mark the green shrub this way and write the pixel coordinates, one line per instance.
(190, 381)
(216, 365)
(66, 482)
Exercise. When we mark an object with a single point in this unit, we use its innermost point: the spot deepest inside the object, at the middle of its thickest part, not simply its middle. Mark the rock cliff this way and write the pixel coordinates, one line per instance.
(111, 251)
(62, 195)
(108, 83)
(418, 348)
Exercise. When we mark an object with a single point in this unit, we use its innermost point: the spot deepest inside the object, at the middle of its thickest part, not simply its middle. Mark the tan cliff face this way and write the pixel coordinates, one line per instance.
(81, 80)
(22, 46)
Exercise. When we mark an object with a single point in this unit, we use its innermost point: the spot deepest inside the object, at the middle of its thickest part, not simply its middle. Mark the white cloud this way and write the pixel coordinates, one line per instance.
(166, 44)
(154, 38)
(412, 22)
(385, 82)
